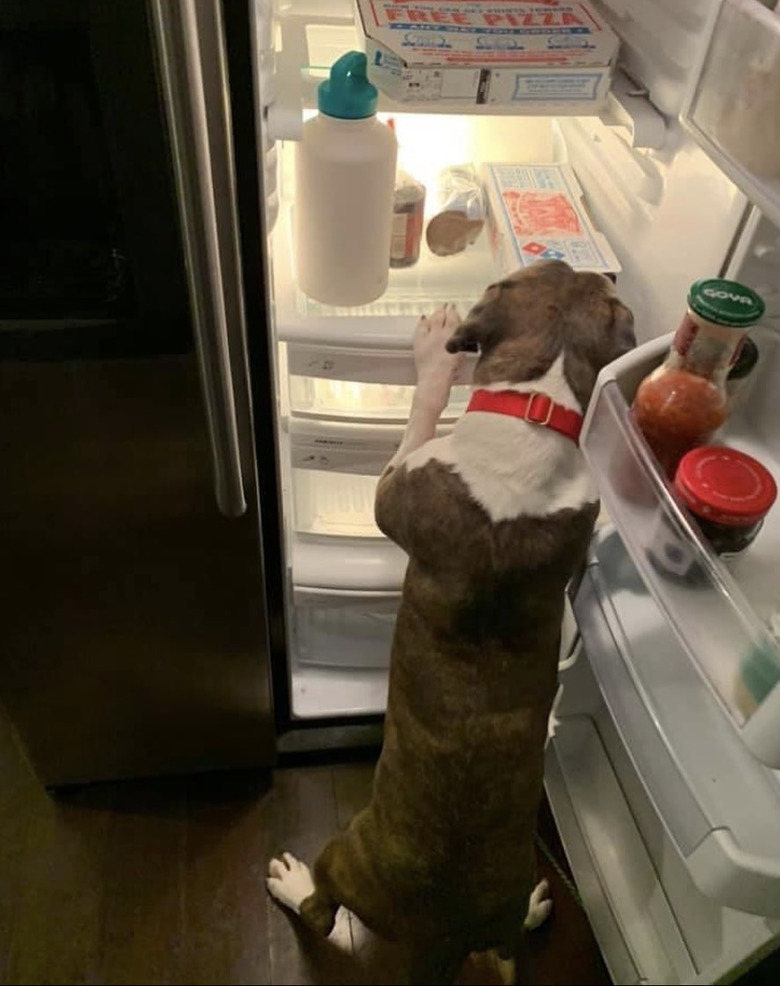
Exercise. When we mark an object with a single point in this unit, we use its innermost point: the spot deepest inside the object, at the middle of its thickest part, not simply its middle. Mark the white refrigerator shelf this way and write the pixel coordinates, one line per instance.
(720, 806)
(385, 325)
(720, 621)
(313, 34)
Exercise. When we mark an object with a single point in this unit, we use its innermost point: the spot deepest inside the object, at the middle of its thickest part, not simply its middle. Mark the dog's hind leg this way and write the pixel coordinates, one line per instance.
(511, 966)
(503, 968)
(342, 874)
(539, 906)
(291, 883)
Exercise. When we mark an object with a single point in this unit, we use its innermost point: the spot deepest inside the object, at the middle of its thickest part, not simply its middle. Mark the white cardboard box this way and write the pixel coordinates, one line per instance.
(536, 54)
(535, 212)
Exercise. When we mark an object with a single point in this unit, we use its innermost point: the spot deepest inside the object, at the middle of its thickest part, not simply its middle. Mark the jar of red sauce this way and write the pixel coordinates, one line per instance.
(729, 494)
(683, 402)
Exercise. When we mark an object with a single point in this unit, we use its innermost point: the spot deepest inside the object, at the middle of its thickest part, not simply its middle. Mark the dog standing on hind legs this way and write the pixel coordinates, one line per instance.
(495, 519)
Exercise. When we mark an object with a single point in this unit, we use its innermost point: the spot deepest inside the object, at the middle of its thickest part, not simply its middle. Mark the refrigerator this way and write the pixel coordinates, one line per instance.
(665, 790)
(137, 617)
(666, 793)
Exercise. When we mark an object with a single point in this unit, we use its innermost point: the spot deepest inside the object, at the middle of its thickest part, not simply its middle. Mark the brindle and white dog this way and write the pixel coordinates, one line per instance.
(495, 518)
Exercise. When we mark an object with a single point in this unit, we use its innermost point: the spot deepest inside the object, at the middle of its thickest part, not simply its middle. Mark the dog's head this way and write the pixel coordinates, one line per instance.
(523, 323)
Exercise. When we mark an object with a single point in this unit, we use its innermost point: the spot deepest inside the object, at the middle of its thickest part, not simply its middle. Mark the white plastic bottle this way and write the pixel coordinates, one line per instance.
(344, 183)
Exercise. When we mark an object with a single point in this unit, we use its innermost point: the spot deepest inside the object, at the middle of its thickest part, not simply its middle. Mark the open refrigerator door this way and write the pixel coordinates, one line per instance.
(663, 772)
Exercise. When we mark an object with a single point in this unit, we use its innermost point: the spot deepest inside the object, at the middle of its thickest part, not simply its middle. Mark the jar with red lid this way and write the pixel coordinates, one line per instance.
(683, 402)
(729, 494)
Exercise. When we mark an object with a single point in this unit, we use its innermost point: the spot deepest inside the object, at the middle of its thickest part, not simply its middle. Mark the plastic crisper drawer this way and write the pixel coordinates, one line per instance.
(344, 630)
(720, 806)
(335, 504)
(336, 543)
(348, 426)
(721, 621)
(734, 108)
(369, 403)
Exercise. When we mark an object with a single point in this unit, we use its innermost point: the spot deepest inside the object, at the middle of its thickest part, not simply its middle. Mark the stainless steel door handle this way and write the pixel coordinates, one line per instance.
(211, 272)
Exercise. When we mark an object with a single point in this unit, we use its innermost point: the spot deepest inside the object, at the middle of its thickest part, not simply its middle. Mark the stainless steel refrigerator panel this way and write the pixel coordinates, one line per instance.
(133, 629)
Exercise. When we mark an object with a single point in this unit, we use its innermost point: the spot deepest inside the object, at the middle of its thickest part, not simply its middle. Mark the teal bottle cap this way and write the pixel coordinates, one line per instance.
(347, 94)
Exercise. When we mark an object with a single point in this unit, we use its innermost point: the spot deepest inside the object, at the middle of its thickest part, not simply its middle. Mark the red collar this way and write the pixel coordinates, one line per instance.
(534, 407)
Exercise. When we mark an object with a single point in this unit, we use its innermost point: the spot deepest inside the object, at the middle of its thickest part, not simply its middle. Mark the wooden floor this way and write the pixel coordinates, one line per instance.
(162, 882)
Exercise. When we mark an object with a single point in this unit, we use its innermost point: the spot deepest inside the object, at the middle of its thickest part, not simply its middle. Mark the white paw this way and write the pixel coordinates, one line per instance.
(539, 906)
(436, 368)
(289, 881)
(552, 726)
(553, 721)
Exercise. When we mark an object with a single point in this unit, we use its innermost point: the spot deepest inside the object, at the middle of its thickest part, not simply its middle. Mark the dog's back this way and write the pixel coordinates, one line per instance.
(473, 676)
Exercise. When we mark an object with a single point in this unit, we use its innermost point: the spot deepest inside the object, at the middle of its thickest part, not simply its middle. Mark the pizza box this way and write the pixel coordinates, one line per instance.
(536, 212)
(538, 55)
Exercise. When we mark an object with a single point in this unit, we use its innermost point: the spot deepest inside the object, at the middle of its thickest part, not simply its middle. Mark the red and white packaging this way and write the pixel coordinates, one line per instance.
(543, 54)
(536, 212)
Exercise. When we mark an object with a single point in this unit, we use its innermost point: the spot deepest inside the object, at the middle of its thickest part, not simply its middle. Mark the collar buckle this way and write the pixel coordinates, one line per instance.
(529, 415)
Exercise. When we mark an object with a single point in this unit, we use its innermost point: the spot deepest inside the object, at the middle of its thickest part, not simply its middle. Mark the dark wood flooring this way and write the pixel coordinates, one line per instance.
(162, 882)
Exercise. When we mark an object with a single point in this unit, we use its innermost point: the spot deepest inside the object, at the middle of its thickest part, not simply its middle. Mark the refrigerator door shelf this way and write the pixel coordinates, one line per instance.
(719, 805)
(719, 620)
(386, 326)
(625, 902)
(343, 630)
(354, 402)
(733, 109)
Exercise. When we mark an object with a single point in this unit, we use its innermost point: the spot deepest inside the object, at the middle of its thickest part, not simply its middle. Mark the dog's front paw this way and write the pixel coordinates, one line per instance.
(539, 906)
(436, 368)
(289, 881)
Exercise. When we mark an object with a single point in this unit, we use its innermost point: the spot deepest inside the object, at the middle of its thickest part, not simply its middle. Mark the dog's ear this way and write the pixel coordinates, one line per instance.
(624, 339)
(467, 338)
(598, 330)
(473, 332)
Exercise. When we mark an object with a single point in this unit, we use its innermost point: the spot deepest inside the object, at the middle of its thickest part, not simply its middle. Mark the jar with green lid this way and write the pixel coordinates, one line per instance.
(683, 402)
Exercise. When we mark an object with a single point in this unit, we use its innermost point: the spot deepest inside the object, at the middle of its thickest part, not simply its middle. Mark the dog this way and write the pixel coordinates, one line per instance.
(495, 518)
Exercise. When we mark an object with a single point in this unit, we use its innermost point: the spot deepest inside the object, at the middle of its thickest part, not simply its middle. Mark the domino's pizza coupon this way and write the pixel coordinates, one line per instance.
(536, 212)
